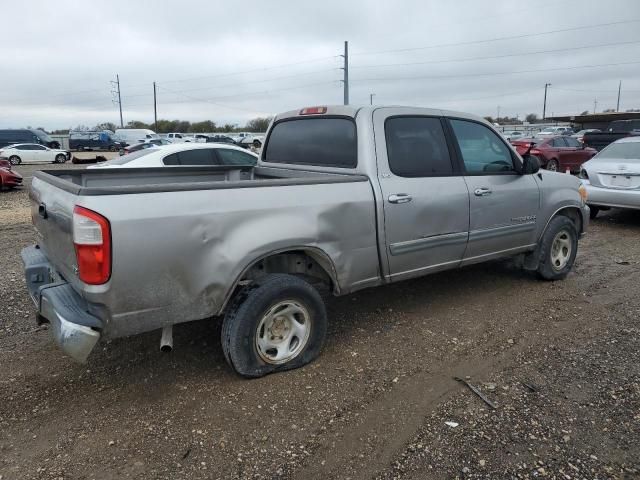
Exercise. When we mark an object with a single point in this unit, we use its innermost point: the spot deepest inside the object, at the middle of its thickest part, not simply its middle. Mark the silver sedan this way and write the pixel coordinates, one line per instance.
(612, 177)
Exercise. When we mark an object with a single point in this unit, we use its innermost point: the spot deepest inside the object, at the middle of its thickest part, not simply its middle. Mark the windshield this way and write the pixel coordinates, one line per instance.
(325, 142)
(622, 150)
(42, 136)
(131, 156)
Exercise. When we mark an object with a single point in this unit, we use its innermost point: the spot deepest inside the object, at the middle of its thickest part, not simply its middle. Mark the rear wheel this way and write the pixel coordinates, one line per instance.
(593, 212)
(553, 165)
(277, 323)
(558, 249)
(15, 160)
(112, 148)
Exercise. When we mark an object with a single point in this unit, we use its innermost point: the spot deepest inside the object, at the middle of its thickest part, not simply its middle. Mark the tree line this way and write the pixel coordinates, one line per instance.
(259, 124)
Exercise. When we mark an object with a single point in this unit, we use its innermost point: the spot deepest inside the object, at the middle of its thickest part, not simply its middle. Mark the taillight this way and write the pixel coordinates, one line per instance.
(534, 151)
(92, 241)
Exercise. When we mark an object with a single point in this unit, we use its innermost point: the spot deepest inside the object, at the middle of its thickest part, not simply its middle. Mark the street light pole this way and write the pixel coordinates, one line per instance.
(544, 106)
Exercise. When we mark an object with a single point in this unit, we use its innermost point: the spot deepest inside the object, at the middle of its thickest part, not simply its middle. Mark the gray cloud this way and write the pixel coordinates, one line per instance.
(59, 57)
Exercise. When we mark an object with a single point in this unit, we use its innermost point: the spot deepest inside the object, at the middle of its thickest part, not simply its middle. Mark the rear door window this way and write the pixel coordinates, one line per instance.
(416, 147)
(324, 142)
(200, 156)
(228, 156)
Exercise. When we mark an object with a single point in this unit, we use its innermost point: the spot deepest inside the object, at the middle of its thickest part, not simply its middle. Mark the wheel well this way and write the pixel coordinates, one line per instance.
(574, 215)
(311, 266)
(315, 267)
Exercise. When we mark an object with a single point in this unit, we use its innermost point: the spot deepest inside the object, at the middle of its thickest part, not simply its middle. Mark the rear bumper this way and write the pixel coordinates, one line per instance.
(74, 329)
(612, 197)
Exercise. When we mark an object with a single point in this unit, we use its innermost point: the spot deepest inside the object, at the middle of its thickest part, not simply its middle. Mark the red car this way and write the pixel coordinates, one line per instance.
(557, 153)
(9, 179)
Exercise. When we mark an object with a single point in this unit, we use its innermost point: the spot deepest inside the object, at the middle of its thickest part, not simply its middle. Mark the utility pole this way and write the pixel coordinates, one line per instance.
(498, 114)
(544, 106)
(345, 81)
(116, 84)
(155, 109)
(595, 105)
(371, 95)
(619, 88)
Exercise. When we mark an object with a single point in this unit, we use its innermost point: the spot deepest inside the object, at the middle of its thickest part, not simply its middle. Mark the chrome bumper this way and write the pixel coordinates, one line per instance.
(74, 329)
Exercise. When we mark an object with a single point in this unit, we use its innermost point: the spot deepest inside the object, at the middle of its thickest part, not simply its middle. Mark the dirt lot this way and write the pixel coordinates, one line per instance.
(374, 405)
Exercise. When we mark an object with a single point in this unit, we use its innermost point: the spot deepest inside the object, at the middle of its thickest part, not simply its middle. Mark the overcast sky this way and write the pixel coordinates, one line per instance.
(231, 61)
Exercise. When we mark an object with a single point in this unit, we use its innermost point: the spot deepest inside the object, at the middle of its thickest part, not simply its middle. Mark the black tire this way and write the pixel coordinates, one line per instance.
(112, 148)
(553, 165)
(15, 160)
(244, 315)
(257, 144)
(593, 212)
(60, 158)
(79, 149)
(557, 226)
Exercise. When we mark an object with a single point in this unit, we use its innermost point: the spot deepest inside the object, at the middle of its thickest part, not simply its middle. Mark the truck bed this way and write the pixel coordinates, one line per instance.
(113, 181)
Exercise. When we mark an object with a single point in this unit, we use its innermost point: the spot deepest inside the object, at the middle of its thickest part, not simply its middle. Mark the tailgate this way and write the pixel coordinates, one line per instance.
(52, 214)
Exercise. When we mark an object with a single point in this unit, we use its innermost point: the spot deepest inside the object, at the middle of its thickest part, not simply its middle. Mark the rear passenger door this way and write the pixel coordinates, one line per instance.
(503, 202)
(425, 201)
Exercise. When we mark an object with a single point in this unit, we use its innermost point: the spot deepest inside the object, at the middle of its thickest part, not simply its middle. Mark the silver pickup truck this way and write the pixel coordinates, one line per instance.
(342, 199)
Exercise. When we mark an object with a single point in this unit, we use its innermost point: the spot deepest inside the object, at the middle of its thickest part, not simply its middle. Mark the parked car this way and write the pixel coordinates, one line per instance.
(617, 129)
(155, 142)
(221, 139)
(131, 136)
(555, 131)
(93, 140)
(9, 178)
(249, 141)
(34, 153)
(343, 198)
(24, 135)
(513, 135)
(580, 134)
(182, 154)
(612, 177)
(174, 137)
(557, 153)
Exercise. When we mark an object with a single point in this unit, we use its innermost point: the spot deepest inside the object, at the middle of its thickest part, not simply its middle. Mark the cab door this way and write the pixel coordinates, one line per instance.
(503, 203)
(425, 199)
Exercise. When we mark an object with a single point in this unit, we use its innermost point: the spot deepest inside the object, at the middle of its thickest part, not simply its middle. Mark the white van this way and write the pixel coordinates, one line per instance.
(131, 136)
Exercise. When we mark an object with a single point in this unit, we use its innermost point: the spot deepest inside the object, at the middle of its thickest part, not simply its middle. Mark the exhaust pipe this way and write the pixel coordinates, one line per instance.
(166, 340)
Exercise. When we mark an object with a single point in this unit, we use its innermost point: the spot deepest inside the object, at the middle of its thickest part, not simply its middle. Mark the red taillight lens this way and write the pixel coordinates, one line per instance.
(92, 240)
(313, 111)
(534, 151)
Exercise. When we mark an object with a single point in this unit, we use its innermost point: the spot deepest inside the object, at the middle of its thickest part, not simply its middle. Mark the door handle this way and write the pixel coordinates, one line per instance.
(400, 198)
(481, 192)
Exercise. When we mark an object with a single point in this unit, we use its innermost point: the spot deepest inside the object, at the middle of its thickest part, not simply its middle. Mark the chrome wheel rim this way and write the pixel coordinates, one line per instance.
(283, 332)
(552, 166)
(561, 249)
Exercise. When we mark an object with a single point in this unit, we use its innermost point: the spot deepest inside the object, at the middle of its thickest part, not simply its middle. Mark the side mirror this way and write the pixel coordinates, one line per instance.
(531, 164)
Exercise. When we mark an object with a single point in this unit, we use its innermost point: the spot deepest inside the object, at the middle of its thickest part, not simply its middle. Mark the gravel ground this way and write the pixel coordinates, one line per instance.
(560, 361)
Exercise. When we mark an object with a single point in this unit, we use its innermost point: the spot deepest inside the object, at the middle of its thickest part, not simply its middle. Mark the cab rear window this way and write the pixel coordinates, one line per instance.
(324, 142)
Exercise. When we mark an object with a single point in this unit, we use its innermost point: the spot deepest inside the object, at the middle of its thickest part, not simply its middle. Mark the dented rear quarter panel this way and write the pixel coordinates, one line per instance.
(179, 256)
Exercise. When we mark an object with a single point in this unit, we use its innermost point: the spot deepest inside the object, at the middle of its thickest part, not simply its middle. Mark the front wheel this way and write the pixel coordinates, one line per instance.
(15, 160)
(558, 249)
(277, 323)
(60, 158)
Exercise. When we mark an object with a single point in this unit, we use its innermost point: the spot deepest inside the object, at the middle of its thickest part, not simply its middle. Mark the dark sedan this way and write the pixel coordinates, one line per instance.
(558, 153)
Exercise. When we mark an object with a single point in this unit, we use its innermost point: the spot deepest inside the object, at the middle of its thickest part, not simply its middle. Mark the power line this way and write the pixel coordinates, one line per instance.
(258, 81)
(420, 77)
(468, 59)
(497, 39)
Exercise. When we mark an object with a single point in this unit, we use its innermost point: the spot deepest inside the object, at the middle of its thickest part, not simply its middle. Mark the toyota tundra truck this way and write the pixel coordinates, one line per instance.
(342, 199)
